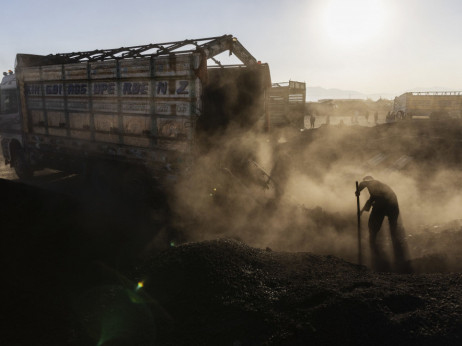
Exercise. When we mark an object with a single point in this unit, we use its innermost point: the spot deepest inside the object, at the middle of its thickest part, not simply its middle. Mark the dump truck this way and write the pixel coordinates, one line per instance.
(150, 107)
(434, 105)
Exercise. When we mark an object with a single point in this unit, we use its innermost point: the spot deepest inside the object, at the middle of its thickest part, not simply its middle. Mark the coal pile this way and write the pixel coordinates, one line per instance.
(228, 293)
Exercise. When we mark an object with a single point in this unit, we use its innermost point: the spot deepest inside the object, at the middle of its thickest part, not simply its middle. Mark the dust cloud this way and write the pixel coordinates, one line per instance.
(299, 195)
(252, 189)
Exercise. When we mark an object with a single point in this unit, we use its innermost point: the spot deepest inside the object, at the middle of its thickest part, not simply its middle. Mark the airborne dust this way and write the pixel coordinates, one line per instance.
(293, 190)
(297, 194)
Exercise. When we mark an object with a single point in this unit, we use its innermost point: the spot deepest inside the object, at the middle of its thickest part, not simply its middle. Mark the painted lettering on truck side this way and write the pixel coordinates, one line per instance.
(77, 89)
(53, 89)
(104, 88)
(135, 88)
(128, 88)
(162, 88)
(182, 88)
(33, 89)
(57, 89)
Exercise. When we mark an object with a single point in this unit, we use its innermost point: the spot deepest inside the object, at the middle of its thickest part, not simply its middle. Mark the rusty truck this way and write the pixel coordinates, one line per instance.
(433, 105)
(286, 104)
(151, 107)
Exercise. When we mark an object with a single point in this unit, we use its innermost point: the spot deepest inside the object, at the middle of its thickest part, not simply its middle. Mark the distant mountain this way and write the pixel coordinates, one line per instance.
(314, 94)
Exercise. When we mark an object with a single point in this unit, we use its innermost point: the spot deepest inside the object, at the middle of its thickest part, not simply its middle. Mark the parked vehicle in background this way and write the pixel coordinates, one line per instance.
(434, 105)
(286, 105)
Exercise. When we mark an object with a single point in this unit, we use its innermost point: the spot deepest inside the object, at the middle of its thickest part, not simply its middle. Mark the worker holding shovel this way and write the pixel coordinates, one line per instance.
(384, 203)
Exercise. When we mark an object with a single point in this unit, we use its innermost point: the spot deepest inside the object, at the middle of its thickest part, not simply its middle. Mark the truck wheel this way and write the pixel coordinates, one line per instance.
(21, 166)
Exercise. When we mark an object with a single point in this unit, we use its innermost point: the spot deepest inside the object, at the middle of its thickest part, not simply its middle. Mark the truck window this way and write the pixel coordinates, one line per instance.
(8, 101)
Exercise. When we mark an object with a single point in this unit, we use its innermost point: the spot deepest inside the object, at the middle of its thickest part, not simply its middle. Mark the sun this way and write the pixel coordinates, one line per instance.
(353, 21)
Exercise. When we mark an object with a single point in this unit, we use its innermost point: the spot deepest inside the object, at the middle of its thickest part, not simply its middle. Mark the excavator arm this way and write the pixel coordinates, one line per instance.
(224, 43)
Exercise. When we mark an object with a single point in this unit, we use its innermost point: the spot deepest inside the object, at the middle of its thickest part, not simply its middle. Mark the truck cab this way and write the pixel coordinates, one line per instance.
(9, 106)
(10, 124)
(8, 93)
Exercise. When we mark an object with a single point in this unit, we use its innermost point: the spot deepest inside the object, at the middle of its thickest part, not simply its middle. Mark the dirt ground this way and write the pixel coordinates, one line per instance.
(84, 269)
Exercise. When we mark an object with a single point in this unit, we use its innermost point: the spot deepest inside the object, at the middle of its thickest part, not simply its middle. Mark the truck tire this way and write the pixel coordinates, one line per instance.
(21, 166)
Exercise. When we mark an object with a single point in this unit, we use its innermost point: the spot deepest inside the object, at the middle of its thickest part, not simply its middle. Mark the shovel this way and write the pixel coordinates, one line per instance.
(360, 259)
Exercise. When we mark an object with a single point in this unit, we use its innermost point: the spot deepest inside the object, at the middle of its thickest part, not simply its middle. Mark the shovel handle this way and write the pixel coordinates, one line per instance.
(360, 259)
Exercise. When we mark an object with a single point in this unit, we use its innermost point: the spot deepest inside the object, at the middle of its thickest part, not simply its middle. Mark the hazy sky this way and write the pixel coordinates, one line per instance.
(372, 46)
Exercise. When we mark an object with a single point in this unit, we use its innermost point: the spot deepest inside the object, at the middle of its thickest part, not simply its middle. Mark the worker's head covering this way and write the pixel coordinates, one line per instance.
(368, 178)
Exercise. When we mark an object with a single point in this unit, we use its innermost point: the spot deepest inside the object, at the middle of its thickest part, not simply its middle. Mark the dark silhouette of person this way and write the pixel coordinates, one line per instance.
(385, 203)
(312, 120)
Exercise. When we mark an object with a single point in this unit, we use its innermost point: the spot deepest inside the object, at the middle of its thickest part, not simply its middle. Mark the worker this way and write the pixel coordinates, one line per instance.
(384, 203)
(312, 120)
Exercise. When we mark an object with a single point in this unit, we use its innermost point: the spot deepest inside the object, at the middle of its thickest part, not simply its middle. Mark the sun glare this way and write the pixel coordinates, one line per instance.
(353, 21)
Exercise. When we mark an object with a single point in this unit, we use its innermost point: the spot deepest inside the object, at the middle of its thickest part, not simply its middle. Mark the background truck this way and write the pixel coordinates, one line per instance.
(151, 107)
(436, 105)
(286, 105)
